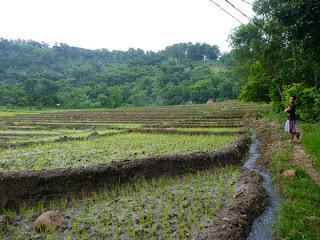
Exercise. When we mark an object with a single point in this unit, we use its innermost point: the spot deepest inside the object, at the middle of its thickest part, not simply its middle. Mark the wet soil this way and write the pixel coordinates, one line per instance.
(234, 222)
(60, 139)
(271, 135)
(95, 134)
(15, 186)
(174, 131)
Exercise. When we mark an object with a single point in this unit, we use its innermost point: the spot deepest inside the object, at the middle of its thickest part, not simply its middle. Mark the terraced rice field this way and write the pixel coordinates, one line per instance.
(99, 150)
(165, 207)
(12, 136)
(211, 129)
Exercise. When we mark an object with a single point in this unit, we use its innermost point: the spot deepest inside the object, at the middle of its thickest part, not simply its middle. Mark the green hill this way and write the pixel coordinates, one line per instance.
(36, 74)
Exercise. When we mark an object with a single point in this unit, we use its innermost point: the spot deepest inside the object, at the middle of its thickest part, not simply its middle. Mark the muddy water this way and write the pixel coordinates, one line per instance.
(262, 226)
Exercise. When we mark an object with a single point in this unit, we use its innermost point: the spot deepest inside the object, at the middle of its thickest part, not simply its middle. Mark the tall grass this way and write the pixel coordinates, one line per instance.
(311, 142)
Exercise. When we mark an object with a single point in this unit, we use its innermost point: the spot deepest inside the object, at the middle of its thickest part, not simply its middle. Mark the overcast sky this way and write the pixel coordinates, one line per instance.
(120, 24)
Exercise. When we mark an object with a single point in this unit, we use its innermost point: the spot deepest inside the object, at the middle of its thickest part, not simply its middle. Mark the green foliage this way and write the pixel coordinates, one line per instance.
(191, 51)
(307, 103)
(34, 74)
(311, 142)
(200, 90)
(299, 216)
(257, 87)
(277, 49)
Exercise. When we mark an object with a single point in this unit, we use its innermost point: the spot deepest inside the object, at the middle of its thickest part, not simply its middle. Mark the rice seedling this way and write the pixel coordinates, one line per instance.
(164, 207)
(106, 149)
(159, 208)
(210, 129)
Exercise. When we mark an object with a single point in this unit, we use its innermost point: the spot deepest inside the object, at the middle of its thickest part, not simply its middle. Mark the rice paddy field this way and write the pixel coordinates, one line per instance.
(106, 149)
(162, 207)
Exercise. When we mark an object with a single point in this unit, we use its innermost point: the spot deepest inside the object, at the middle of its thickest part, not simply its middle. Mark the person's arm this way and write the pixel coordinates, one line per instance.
(288, 109)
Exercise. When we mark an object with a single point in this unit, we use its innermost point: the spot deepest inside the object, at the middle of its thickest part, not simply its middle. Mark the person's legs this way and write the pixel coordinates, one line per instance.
(291, 137)
(290, 131)
(293, 131)
(297, 135)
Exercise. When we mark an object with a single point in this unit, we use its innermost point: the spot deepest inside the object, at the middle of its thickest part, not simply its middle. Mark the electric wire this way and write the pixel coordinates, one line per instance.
(226, 11)
(232, 5)
(245, 15)
(247, 2)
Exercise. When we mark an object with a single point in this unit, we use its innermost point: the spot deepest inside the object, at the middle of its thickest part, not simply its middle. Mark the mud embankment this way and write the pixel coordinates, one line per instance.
(60, 139)
(234, 222)
(15, 186)
(191, 132)
(125, 130)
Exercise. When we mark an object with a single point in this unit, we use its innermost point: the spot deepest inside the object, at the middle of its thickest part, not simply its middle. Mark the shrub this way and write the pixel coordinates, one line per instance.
(308, 101)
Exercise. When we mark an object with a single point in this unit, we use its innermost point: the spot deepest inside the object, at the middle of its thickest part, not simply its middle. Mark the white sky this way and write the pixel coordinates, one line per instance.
(120, 24)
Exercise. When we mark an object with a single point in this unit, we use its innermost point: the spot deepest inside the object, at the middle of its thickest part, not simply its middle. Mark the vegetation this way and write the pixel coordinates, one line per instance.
(277, 55)
(274, 56)
(161, 208)
(106, 149)
(35, 74)
(299, 213)
(166, 208)
(221, 129)
(299, 216)
(311, 142)
(18, 135)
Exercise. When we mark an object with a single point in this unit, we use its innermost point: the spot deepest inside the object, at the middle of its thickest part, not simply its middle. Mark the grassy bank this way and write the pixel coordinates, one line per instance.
(311, 142)
(299, 214)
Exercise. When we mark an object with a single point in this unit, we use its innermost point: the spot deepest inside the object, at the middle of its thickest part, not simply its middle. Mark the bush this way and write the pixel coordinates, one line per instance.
(308, 101)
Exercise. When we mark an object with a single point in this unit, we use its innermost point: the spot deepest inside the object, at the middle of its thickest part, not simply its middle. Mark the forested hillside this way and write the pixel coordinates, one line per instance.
(277, 54)
(36, 74)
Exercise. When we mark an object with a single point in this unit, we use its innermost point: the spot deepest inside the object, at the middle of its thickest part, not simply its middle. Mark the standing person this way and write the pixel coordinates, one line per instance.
(291, 122)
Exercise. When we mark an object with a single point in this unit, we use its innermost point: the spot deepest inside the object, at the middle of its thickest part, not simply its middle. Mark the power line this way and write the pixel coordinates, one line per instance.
(226, 11)
(238, 9)
(252, 20)
(247, 2)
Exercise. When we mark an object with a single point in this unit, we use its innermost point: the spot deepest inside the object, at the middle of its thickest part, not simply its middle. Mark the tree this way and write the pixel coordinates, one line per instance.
(201, 91)
(33, 73)
(115, 96)
(278, 48)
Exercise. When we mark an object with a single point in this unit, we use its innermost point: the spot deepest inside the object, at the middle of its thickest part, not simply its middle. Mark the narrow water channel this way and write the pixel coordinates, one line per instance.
(262, 226)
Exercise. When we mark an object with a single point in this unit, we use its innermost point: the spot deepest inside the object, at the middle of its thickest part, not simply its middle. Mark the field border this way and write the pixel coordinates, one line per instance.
(60, 139)
(6, 145)
(191, 132)
(16, 186)
(234, 222)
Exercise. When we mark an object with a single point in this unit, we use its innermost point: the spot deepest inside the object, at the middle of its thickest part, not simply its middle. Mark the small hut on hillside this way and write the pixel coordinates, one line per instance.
(211, 100)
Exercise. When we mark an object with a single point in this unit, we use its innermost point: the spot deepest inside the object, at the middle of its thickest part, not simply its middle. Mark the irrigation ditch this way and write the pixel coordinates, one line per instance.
(248, 217)
(256, 204)
(260, 227)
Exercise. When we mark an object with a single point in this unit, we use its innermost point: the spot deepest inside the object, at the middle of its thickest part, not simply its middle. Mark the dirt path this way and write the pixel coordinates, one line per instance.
(271, 134)
(304, 160)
